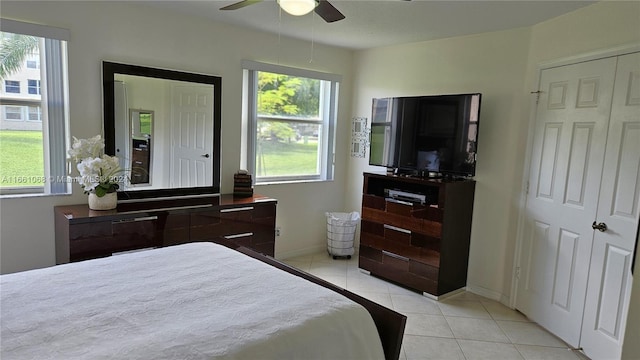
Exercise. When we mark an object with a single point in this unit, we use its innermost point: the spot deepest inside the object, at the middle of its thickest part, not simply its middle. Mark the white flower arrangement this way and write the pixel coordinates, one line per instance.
(98, 172)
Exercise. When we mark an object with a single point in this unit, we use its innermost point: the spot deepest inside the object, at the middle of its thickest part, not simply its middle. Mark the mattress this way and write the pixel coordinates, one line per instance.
(192, 301)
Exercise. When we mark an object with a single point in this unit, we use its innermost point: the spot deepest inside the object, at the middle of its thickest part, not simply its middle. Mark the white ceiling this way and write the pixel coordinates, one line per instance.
(374, 23)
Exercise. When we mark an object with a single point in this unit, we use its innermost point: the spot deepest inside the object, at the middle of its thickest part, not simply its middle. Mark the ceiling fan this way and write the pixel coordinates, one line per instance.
(298, 7)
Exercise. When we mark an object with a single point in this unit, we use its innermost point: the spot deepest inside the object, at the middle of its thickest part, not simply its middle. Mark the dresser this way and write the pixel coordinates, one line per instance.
(83, 234)
(416, 231)
(140, 164)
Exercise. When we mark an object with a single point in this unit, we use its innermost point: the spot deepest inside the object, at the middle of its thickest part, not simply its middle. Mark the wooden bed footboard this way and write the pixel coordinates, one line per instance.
(390, 324)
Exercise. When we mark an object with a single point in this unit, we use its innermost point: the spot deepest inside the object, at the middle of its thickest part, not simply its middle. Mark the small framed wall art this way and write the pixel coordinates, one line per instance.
(359, 137)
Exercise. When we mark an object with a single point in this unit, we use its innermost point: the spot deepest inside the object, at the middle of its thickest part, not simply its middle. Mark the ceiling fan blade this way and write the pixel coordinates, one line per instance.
(240, 4)
(328, 12)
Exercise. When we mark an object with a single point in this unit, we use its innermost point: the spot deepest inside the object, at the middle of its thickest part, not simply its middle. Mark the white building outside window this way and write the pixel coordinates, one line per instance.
(33, 119)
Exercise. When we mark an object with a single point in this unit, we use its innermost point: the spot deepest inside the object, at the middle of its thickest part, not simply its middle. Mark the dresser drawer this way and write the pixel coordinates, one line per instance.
(400, 269)
(99, 239)
(400, 241)
(251, 226)
(373, 202)
(402, 209)
(176, 228)
(258, 241)
(424, 226)
(216, 223)
(211, 224)
(207, 225)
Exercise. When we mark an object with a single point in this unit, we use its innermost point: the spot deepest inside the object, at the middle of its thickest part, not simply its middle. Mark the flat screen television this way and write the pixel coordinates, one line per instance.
(426, 135)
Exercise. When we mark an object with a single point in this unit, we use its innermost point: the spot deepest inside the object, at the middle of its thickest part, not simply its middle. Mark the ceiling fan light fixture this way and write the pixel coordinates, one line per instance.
(297, 7)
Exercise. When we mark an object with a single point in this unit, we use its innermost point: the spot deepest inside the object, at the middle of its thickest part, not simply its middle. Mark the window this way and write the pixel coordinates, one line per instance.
(34, 87)
(35, 113)
(12, 86)
(34, 155)
(291, 123)
(13, 113)
(33, 62)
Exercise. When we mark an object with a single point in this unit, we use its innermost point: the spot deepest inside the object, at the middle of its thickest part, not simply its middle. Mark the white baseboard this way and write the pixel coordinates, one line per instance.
(443, 296)
(282, 255)
(489, 294)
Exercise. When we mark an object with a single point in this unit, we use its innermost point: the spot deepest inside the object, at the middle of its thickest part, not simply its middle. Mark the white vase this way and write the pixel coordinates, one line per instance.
(107, 202)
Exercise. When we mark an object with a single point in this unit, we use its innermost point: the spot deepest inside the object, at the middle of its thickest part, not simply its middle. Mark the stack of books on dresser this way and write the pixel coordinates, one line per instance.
(242, 185)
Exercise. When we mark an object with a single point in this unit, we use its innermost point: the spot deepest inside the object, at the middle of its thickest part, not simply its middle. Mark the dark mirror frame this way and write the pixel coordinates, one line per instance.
(109, 70)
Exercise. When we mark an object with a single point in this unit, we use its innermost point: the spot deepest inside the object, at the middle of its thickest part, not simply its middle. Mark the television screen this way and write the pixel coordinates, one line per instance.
(436, 134)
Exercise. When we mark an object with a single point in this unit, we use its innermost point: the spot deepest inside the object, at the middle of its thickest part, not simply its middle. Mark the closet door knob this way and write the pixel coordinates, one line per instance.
(602, 227)
(206, 156)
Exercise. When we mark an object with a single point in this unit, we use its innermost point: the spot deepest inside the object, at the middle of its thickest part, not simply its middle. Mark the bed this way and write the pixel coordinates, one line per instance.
(191, 301)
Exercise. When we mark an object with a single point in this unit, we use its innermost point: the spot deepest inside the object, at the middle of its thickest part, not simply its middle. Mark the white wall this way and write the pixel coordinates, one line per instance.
(136, 34)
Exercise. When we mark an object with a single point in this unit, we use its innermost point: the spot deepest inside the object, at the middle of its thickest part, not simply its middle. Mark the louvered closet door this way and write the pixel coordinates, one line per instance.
(609, 287)
(566, 166)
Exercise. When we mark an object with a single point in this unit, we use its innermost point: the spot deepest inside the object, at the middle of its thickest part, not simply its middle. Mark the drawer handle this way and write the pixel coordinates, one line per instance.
(399, 201)
(399, 257)
(390, 227)
(248, 208)
(146, 218)
(236, 236)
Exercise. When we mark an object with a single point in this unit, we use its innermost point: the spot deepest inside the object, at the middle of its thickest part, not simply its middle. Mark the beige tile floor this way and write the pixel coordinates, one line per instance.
(464, 326)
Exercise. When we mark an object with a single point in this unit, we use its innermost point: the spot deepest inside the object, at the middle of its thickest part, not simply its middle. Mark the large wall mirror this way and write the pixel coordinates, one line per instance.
(164, 126)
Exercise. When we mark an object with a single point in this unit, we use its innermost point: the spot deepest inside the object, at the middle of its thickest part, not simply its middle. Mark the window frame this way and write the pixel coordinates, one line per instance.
(328, 118)
(13, 109)
(54, 90)
(10, 86)
(33, 87)
(38, 112)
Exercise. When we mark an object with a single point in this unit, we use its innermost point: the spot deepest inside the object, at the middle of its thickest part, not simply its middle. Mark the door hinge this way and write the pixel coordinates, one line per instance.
(518, 272)
(526, 188)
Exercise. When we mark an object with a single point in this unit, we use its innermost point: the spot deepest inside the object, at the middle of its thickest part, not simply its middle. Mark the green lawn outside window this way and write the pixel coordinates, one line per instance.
(21, 158)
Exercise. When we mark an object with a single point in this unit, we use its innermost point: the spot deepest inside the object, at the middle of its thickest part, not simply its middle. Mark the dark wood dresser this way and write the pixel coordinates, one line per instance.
(140, 161)
(423, 245)
(86, 234)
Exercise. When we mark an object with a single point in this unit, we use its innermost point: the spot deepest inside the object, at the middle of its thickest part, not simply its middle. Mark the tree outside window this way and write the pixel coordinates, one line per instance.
(289, 126)
(288, 119)
(291, 117)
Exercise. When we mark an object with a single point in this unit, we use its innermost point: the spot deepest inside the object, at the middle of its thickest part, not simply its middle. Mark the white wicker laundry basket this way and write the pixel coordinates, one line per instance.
(341, 231)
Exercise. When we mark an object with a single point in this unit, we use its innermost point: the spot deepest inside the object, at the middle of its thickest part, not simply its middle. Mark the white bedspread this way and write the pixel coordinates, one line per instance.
(193, 301)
